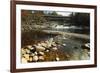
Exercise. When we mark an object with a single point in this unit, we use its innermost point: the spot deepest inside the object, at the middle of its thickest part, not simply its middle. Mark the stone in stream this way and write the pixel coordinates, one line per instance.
(29, 47)
(27, 51)
(23, 51)
(41, 58)
(54, 48)
(86, 46)
(30, 59)
(39, 48)
(57, 59)
(26, 56)
(35, 53)
(47, 50)
(35, 58)
(24, 60)
(64, 44)
(54, 44)
(33, 50)
(40, 53)
(48, 43)
(44, 44)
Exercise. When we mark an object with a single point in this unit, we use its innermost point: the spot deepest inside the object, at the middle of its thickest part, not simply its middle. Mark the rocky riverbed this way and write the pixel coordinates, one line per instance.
(55, 49)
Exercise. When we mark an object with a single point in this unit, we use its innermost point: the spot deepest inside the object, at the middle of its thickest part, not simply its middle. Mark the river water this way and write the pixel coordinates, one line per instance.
(70, 45)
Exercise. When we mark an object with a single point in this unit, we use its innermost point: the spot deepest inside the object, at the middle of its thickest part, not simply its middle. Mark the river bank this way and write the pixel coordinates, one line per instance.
(62, 46)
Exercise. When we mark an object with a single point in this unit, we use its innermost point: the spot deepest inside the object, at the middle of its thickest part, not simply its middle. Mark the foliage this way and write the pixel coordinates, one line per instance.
(29, 18)
(54, 13)
(80, 19)
(38, 18)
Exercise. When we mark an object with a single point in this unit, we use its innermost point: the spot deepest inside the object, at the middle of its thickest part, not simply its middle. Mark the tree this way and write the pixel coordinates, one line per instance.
(29, 18)
(80, 19)
(38, 18)
(54, 13)
(26, 17)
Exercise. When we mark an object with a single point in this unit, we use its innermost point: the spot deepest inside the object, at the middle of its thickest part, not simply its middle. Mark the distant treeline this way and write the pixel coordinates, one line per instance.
(29, 17)
(80, 19)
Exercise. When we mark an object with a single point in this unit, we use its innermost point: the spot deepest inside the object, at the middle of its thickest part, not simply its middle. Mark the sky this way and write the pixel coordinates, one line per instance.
(64, 13)
(58, 12)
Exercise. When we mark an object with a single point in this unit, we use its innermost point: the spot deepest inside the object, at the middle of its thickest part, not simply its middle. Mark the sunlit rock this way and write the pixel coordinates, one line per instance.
(33, 49)
(54, 48)
(47, 50)
(27, 51)
(40, 48)
(29, 47)
(35, 58)
(64, 44)
(24, 60)
(41, 58)
(23, 51)
(86, 46)
(57, 58)
(31, 59)
(54, 44)
(41, 53)
(26, 56)
(35, 53)
(44, 44)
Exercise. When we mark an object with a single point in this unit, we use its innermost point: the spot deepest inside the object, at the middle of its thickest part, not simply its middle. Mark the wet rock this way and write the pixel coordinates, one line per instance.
(57, 58)
(26, 56)
(30, 59)
(44, 44)
(24, 60)
(23, 51)
(40, 53)
(75, 55)
(29, 47)
(33, 50)
(27, 51)
(40, 48)
(54, 48)
(64, 44)
(35, 58)
(35, 53)
(41, 58)
(86, 46)
(48, 44)
(47, 50)
(54, 44)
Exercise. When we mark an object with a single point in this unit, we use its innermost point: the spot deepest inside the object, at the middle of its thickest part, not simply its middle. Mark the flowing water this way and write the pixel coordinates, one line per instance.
(69, 44)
